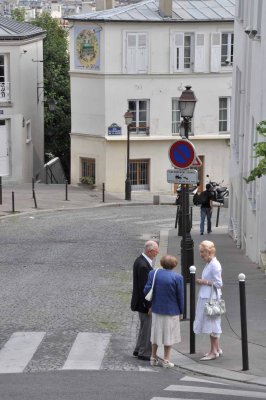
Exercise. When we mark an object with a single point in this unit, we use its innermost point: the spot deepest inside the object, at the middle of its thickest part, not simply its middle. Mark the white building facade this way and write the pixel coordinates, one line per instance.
(140, 57)
(21, 101)
(247, 209)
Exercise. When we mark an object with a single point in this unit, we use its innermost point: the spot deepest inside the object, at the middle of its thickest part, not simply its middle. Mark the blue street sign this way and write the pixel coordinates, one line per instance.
(182, 153)
(114, 129)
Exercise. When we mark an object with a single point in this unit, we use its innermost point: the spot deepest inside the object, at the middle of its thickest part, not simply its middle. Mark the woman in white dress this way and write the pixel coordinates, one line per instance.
(211, 275)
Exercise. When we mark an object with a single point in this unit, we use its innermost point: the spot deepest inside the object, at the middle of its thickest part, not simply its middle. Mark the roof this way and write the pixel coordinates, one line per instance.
(148, 11)
(13, 30)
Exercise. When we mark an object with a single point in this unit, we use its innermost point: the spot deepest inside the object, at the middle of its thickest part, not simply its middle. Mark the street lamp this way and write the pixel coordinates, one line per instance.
(128, 120)
(187, 102)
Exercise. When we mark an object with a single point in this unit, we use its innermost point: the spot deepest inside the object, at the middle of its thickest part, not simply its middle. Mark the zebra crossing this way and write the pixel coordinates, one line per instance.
(86, 353)
(201, 387)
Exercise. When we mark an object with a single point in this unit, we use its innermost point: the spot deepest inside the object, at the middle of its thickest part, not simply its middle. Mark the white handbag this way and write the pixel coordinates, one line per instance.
(148, 296)
(214, 307)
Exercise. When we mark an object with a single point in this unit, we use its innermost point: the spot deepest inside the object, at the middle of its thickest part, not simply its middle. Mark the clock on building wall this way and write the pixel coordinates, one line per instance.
(87, 48)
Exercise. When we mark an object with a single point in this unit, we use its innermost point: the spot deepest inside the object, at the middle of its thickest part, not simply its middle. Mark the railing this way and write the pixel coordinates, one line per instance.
(4, 91)
(140, 129)
(54, 172)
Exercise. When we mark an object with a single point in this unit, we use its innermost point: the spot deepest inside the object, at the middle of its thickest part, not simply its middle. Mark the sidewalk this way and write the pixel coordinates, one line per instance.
(233, 260)
(53, 197)
(229, 366)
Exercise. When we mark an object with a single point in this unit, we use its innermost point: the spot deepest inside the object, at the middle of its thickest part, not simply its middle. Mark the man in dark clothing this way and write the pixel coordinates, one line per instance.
(141, 268)
(208, 197)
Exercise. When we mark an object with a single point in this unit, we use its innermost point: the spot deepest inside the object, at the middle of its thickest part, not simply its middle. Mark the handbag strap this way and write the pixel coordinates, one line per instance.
(212, 290)
(154, 278)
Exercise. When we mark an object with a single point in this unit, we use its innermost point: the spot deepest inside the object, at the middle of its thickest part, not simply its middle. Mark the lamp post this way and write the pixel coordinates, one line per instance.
(187, 102)
(128, 119)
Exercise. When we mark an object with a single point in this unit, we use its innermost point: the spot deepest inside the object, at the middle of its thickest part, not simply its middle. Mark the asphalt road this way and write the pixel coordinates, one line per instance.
(69, 272)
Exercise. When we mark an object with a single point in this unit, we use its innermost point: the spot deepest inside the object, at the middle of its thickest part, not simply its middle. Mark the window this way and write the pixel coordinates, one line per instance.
(139, 174)
(188, 52)
(136, 53)
(224, 114)
(140, 110)
(28, 130)
(4, 85)
(176, 116)
(183, 54)
(88, 168)
(227, 49)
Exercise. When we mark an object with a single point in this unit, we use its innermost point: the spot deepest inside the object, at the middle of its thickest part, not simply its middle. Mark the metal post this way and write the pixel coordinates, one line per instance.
(34, 198)
(191, 217)
(128, 182)
(183, 244)
(217, 217)
(32, 184)
(66, 182)
(243, 319)
(1, 194)
(103, 192)
(176, 217)
(13, 202)
(192, 270)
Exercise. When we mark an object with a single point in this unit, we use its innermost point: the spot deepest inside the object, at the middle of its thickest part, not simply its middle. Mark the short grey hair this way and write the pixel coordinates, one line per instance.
(150, 245)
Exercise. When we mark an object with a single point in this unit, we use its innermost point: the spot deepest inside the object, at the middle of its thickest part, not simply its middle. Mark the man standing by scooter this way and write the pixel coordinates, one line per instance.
(208, 197)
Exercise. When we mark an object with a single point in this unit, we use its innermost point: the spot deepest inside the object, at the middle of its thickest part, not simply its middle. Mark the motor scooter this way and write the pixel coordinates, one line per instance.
(220, 192)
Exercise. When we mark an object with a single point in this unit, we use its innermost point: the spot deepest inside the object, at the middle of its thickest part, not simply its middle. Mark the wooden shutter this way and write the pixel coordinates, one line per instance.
(200, 64)
(131, 53)
(179, 52)
(215, 52)
(142, 53)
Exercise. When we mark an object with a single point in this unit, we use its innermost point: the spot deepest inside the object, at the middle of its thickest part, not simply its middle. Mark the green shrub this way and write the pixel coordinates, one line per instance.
(87, 180)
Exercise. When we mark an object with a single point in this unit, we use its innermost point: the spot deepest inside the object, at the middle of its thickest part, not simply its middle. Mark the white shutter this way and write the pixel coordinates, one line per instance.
(215, 52)
(200, 64)
(179, 52)
(131, 53)
(142, 53)
(4, 157)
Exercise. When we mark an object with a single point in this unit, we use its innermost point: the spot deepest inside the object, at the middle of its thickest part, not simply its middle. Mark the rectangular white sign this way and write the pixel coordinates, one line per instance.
(189, 176)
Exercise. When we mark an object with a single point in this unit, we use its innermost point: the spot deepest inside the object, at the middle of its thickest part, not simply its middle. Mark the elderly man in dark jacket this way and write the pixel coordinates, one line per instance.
(141, 268)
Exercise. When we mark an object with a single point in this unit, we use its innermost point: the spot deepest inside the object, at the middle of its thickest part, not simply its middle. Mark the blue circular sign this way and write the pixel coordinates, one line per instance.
(182, 153)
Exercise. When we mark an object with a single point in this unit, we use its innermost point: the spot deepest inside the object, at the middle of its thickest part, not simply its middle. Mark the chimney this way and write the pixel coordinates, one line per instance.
(165, 8)
(104, 4)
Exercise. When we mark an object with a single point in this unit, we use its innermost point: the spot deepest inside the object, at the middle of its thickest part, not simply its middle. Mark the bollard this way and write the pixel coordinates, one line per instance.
(192, 271)
(13, 202)
(176, 217)
(32, 184)
(217, 217)
(103, 192)
(243, 319)
(66, 182)
(34, 198)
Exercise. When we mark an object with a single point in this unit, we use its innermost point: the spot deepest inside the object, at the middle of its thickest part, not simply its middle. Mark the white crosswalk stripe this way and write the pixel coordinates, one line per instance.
(18, 351)
(87, 351)
(192, 379)
(216, 391)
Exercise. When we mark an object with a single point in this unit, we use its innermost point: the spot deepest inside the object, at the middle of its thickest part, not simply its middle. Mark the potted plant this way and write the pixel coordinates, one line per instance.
(88, 180)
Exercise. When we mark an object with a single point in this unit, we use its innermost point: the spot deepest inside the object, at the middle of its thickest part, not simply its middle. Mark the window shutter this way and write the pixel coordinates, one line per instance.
(142, 53)
(179, 52)
(215, 52)
(200, 65)
(131, 52)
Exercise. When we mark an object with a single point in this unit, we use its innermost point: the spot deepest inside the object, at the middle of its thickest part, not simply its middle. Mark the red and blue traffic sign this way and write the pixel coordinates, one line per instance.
(182, 153)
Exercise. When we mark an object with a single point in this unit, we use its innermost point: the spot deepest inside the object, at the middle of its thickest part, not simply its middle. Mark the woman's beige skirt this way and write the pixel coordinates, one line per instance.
(165, 329)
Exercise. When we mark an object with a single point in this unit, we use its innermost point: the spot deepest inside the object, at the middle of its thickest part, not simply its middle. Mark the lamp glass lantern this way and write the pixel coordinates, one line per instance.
(187, 102)
(128, 117)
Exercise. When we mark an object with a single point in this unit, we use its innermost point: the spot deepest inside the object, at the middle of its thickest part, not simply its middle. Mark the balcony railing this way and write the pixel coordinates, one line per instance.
(141, 129)
(4, 91)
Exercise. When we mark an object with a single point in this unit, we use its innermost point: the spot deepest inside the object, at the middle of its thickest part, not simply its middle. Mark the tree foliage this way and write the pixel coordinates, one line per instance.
(260, 152)
(57, 124)
(18, 14)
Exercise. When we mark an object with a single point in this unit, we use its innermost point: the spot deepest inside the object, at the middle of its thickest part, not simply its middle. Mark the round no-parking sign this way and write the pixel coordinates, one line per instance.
(182, 153)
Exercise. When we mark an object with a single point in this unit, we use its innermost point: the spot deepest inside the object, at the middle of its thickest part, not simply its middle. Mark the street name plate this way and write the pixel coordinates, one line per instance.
(189, 176)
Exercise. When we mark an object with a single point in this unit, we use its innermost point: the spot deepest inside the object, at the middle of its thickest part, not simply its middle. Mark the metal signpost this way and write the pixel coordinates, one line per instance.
(182, 155)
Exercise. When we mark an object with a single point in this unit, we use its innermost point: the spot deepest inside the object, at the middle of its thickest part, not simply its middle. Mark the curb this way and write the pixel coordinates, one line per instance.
(185, 363)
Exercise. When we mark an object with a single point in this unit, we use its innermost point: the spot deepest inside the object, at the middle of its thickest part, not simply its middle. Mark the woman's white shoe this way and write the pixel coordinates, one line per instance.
(167, 364)
(209, 356)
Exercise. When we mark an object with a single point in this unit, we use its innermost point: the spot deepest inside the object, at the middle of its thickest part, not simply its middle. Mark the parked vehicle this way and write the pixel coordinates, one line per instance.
(220, 191)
